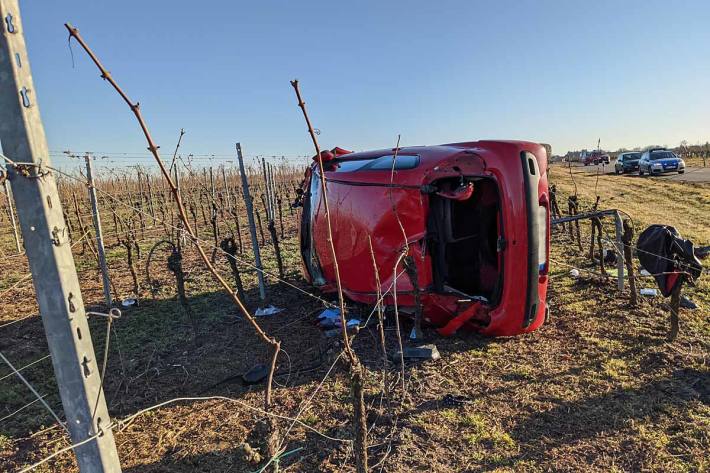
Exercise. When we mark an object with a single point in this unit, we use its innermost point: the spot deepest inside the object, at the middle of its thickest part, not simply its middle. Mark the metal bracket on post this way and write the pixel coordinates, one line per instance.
(51, 263)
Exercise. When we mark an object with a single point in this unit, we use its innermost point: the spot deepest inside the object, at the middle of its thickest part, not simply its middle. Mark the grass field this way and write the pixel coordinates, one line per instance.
(598, 388)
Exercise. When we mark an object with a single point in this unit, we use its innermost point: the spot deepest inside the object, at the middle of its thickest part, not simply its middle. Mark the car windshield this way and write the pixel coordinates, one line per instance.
(403, 161)
(657, 155)
(632, 156)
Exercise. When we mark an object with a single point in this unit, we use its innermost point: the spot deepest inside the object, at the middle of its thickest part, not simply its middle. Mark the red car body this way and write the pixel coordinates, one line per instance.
(476, 219)
(595, 157)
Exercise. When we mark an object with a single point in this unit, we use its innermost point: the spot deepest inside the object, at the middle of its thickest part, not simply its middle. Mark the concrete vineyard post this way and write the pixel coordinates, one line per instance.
(49, 253)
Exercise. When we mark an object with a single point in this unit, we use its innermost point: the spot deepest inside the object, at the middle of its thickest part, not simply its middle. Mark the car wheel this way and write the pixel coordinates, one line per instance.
(681, 171)
(640, 172)
(617, 171)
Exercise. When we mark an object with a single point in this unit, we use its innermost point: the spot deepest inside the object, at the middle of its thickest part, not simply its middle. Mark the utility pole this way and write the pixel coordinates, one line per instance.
(49, 253)
(252, 224)
(99, 232)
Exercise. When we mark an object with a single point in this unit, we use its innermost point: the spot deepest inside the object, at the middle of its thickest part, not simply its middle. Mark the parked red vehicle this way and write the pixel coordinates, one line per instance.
(476, 219)
(595, 157)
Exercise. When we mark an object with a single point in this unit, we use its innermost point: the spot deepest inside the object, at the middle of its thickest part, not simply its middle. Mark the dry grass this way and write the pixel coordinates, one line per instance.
(598, 388)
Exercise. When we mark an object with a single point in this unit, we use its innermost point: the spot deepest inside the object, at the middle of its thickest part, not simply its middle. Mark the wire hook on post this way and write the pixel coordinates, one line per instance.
(113, 314)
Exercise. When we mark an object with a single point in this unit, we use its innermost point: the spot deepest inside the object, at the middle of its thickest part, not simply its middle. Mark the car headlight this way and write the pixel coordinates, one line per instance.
(657, 165)
(681, 163)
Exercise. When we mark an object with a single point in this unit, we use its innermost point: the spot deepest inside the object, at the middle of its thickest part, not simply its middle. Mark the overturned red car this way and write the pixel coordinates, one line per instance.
(472, 216)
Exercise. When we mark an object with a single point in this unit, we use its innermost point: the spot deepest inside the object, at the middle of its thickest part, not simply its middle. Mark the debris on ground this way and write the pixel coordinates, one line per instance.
(649, 291)
(266, 311)
(336, 332)
(248, 453)
(256, 374)
(574, 273)
(452, 400)
(129, 302)
(687, 303)
(420, 352)
(330, 318)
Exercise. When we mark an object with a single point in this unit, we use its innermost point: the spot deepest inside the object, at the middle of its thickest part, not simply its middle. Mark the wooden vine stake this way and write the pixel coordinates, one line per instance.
(627, 240)
(356, 368)
(271, 443)
(380, 320)
(675, 310)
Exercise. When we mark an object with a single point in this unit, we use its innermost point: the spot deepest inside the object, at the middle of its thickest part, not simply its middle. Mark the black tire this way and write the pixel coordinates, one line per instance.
(640, 172)
(681, 171)
(617, 171)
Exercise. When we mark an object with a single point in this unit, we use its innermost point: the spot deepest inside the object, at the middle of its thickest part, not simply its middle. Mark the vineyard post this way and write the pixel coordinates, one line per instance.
(212, 187)
(273, 191)
(150, 197)
(180, 235)
(12, 216)
(228, 199)
(265, 200)
(618, 223)
(627, 241)
(97, 227)
(252, 224)
(270, 213)
(49, 253)
(140, 197)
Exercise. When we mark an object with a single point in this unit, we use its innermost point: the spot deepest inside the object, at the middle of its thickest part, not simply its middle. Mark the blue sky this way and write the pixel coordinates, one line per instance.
(629, 72)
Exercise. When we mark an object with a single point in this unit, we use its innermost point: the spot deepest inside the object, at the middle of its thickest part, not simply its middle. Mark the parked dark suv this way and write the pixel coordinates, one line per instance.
(660, 160)
(627, 162)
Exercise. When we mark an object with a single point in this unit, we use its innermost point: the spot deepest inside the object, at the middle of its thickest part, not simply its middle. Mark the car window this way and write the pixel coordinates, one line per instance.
(381, 163)
(401, 162)
(347, 165)
(656, 155)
